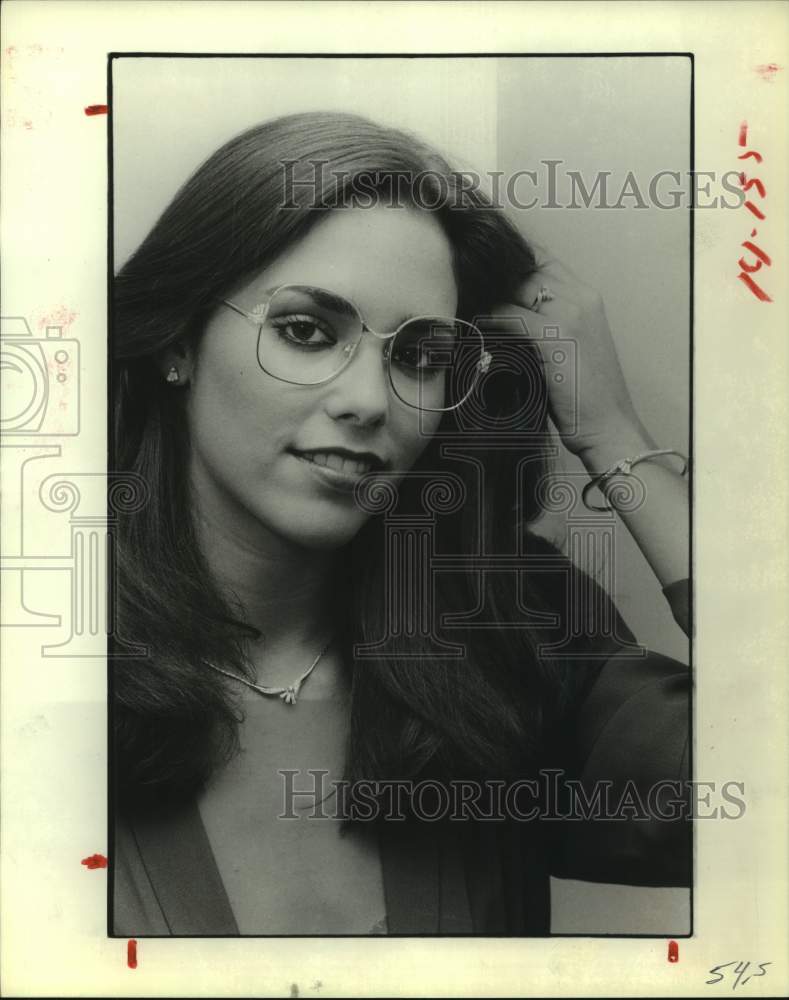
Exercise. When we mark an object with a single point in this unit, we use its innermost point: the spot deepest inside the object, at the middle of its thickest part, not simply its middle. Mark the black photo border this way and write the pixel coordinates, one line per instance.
(111, 58)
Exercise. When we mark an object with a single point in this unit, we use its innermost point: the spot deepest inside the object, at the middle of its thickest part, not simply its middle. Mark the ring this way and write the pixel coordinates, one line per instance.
(544, 295)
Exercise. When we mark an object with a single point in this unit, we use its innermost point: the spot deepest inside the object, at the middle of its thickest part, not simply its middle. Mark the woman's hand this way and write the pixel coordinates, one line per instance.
(594, 414)
(589, 404)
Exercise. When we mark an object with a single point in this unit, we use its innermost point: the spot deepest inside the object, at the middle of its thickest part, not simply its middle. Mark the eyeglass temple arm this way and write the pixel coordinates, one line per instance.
(252, 317)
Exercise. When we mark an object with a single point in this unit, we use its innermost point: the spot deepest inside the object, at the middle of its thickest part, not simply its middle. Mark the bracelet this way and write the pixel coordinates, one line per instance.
(624, 467)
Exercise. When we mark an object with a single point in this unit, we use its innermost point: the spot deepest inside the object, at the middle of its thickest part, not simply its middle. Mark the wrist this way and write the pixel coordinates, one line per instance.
(610, 475)
(607, 449)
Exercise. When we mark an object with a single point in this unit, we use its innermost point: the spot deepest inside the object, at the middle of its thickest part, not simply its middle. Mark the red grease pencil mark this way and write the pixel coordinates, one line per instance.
(767, 71)
(61, 316)
(746, 185)
(757, 291)
(673, 951)
(131, 954)
(753, 209)
(95, 861)
(757, 252)
(760, 258)
(96, 109)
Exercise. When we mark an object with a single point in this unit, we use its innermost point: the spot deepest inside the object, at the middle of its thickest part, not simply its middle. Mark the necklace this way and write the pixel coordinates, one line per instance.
(288, 694)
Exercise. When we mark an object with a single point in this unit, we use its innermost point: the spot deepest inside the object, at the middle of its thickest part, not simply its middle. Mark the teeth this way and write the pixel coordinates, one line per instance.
(331, 460)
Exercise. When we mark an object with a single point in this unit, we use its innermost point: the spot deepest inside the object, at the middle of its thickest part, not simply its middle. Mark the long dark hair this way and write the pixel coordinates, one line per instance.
(412, 713)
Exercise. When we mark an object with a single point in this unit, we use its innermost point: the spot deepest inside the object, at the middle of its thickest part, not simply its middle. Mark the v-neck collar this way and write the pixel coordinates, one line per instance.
(422, 867)
(180, 864)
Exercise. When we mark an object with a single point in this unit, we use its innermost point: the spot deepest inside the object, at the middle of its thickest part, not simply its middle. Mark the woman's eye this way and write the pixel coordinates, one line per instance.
(306, 331)
(415, 361)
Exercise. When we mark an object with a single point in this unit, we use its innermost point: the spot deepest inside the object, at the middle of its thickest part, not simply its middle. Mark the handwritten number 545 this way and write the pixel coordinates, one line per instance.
(742, 968)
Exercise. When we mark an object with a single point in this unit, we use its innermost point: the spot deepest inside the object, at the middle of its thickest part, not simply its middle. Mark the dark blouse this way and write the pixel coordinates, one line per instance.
(626, 734)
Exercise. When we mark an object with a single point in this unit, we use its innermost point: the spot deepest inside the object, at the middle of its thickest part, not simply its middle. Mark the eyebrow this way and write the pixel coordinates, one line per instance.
(321, 297)
(340, 304)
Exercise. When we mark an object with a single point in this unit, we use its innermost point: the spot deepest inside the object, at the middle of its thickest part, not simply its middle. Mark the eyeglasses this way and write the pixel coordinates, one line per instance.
(308, 335)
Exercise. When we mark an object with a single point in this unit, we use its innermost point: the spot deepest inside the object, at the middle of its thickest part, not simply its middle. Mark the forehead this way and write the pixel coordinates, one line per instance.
(392, 262)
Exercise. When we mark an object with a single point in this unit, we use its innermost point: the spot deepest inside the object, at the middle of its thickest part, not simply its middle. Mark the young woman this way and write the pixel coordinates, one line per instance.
(326, 388)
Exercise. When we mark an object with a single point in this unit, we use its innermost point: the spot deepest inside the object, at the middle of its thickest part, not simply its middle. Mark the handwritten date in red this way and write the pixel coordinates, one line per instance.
(759, 258)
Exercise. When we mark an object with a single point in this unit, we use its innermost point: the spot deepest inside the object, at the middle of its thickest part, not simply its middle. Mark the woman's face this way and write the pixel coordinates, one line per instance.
(271, 457)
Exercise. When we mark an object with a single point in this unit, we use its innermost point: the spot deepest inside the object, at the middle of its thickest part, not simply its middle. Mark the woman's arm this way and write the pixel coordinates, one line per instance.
(597, 421)
(660, 524)
(629, 797)
(619, 744)
(627, 737)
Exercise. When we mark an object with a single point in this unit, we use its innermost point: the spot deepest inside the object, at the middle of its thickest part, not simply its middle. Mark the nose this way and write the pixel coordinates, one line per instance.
(360, 393)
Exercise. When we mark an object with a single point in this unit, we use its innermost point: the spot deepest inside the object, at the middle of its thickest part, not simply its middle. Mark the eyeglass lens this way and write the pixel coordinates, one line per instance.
(309, 334)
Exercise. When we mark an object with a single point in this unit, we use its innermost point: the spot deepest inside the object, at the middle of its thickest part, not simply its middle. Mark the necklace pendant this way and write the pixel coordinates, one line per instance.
(288, 694)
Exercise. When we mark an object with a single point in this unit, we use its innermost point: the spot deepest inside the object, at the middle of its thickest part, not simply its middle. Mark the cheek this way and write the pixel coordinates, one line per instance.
(235, 418)
(413, 432)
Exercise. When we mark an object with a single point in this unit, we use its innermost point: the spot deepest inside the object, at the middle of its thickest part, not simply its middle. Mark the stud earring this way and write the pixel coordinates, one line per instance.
(172, 375)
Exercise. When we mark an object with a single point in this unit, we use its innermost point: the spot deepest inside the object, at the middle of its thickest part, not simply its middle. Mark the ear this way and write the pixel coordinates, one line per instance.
(176, 364)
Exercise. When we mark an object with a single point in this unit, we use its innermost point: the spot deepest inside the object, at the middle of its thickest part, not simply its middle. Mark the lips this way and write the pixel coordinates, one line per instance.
(340, 465)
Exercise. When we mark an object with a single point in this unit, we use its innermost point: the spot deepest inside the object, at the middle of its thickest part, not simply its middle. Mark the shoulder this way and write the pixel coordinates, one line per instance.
(135, 909)
(576, 626)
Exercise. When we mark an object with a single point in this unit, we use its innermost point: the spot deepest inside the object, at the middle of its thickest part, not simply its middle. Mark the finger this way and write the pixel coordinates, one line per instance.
(560, 271)
(560, 286)
(539, 291)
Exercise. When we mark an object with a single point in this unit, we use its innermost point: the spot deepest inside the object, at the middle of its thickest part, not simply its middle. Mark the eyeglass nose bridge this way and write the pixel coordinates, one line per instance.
(480, 368)
(350, 349)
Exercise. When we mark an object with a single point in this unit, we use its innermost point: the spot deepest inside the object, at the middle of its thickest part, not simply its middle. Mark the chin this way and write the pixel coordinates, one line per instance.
(320, 530)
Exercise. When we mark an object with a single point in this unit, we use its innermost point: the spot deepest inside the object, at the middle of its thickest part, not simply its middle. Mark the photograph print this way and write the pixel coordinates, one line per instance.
(400, 355)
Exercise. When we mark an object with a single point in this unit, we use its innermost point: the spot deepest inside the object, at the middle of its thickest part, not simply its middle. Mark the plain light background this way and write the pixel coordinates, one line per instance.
(593, 114)
(201, 103)
(617, 114)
